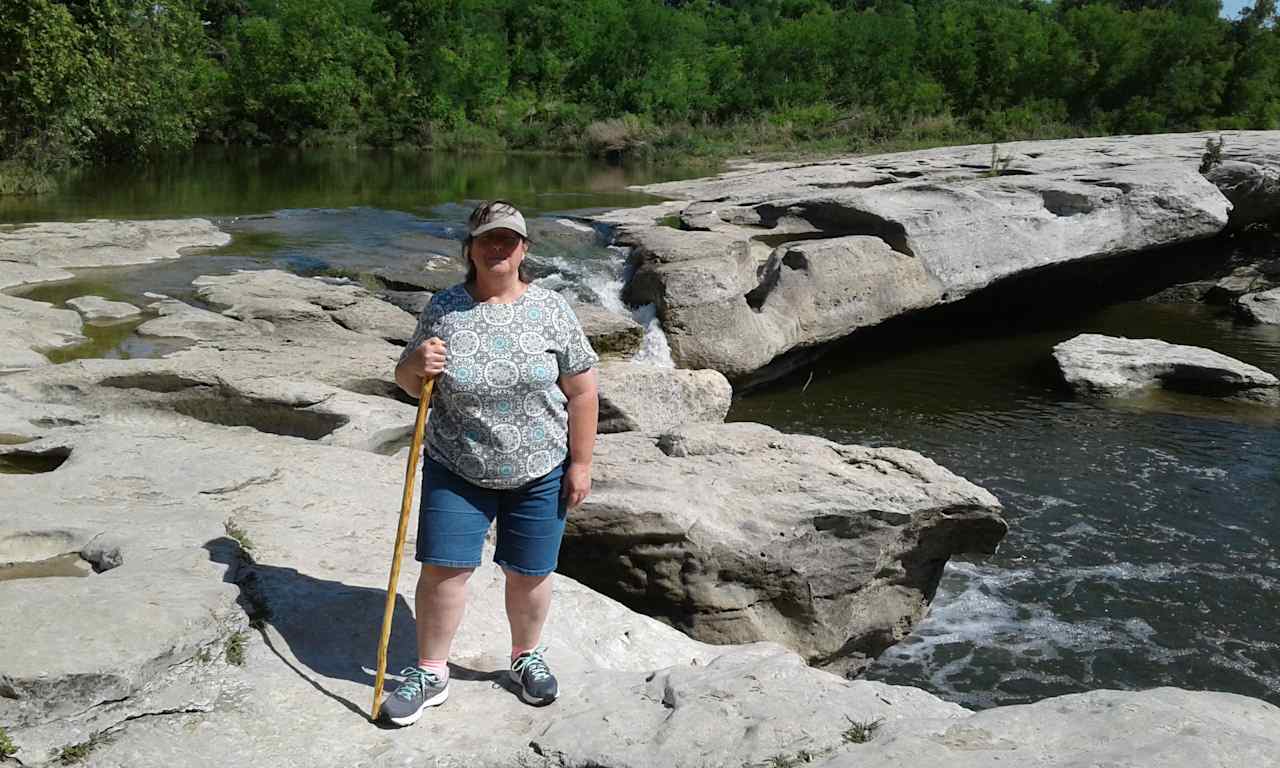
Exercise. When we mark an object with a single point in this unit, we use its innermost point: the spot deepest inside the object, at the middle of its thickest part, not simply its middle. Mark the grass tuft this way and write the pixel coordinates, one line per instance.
(235, 649)
(998, 164)
(235, 531)
(7, 747)
(861, 731)
(78, 753)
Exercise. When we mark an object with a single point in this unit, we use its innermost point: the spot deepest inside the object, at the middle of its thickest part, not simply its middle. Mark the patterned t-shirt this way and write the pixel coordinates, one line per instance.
(498, 416)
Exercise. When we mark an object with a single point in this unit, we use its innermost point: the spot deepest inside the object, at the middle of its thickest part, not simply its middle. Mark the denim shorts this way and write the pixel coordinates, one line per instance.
(455, 516)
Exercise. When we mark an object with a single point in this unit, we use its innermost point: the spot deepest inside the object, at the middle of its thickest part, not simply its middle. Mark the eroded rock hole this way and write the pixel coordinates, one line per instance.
(269, 417)
(833, 219)
(69, 565)
(55, 554)
(153, 382)
(20, 461)
(1062, 203)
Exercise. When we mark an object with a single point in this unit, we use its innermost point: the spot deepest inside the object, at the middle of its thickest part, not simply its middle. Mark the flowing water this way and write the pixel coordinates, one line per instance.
(1144, 534)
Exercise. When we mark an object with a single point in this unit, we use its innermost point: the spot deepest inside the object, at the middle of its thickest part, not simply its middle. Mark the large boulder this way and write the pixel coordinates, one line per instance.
(774, 259)
(737, 533)
(1253, 189)
(1261, 307)
(637, 397)
(1109, 366)
(40, 252)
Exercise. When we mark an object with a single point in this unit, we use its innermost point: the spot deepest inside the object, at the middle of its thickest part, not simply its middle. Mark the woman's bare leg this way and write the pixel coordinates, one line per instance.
(528, 600)
(441, 600)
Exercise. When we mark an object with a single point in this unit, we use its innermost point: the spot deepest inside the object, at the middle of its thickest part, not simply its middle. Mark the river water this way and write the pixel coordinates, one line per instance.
(1143, 548)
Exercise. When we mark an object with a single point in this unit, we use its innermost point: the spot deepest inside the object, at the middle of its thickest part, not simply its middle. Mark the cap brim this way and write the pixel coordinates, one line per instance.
(510, 222)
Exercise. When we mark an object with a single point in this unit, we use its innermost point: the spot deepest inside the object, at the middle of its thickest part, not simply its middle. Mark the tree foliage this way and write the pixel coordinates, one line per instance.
(117, 77)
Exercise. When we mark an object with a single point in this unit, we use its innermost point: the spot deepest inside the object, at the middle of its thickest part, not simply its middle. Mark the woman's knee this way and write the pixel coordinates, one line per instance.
(443, 574)
(523, 582)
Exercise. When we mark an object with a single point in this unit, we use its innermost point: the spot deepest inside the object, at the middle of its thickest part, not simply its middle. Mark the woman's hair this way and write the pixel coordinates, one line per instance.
(483, 213)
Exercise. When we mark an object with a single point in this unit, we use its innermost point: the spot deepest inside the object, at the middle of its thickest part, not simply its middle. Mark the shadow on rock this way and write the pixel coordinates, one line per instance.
(331, 629)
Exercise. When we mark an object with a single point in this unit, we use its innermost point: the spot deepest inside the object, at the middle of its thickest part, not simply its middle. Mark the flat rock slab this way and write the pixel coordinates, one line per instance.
(29, 328)
(636, 397)
(279, 297)
(46, 251)
(772, 259)
(1109, 366)
(1160, 728)
(1261, 307)
(180, 320)
(738, 533)
(96, 308)
(747, 707)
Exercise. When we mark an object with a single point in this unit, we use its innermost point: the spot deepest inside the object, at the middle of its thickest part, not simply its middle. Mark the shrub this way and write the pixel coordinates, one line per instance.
(619, 136)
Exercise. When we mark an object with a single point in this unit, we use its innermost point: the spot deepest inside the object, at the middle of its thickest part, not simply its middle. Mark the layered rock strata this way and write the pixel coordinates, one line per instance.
(737, 533)
(773, 259)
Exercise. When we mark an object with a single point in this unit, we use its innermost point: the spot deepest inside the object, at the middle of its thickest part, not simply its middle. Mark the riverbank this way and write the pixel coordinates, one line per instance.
(220, 518)
(219, 493)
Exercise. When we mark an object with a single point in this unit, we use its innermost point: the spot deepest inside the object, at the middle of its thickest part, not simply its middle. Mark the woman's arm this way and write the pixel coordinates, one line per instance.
(584, 410)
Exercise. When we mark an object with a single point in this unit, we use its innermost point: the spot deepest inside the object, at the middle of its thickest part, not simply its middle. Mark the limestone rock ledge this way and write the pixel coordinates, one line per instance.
(737, 533)
(772, 259)
(31, 253)
(238, 507)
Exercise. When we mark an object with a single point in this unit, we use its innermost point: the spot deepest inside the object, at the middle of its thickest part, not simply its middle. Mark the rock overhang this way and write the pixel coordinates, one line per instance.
(965, 220)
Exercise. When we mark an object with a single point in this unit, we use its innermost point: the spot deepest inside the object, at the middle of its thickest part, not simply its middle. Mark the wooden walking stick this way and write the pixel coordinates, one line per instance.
(410, 474)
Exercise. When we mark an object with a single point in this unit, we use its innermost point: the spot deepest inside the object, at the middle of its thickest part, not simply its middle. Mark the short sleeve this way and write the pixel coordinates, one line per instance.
(426, 322)
(573, 351)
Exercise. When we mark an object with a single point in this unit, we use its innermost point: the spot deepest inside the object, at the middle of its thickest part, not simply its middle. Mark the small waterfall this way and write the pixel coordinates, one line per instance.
(654, 349)
(600, 281)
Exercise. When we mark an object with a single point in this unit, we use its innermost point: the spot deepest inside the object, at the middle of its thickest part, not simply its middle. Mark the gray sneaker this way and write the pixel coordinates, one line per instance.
(420, 689)
(529, 671)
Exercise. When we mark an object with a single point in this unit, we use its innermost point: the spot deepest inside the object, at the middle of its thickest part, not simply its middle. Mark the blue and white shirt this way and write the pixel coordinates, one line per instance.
(498, 416)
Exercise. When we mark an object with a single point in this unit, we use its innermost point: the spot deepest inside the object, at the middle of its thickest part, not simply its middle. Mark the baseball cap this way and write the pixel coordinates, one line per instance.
(498, 214)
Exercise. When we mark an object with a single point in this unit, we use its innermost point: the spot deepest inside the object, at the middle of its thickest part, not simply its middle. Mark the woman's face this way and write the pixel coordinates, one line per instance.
(498, 252)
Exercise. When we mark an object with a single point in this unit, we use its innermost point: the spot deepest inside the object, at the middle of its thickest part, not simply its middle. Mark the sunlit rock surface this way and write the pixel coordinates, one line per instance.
(752, 267)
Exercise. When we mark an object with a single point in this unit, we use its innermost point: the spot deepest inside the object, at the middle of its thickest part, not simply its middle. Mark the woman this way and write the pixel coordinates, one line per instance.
(515, 395)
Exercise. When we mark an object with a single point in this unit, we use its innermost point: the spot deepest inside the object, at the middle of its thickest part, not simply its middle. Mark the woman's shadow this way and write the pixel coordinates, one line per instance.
(332, 629)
